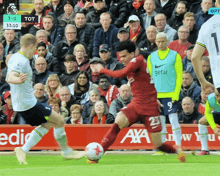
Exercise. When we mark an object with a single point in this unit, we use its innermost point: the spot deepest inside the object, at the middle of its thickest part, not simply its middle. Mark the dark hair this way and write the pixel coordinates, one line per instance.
(80, 12)
(187, 72)
(126, 45)
(41, 44)
(77, 90)
(69, 57)
(103, 77)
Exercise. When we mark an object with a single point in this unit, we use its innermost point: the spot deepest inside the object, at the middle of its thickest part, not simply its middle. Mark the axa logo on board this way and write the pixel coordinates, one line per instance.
(136, 135)
(17, 138)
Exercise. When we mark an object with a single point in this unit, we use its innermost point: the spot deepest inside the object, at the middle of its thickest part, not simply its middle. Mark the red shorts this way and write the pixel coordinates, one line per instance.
(149, 115)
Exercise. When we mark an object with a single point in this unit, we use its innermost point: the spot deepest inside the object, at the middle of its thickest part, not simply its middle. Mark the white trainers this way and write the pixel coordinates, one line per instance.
(74, 155)
(21, 155)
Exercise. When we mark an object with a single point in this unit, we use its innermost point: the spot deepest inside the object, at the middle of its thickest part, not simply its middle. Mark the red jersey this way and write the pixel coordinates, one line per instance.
(143, 91)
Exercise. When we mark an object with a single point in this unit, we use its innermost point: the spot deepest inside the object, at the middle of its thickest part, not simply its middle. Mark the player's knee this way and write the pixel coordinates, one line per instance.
(121, 120)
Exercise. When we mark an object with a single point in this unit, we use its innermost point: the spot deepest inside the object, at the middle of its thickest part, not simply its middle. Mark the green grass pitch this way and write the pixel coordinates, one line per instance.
(112, 165)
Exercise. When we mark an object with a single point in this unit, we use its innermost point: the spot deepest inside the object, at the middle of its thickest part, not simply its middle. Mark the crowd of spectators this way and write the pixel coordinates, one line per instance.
(72, 35)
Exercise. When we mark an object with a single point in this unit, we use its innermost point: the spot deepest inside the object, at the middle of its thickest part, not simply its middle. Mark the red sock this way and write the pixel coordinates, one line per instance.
(110, 136)
(167, 147)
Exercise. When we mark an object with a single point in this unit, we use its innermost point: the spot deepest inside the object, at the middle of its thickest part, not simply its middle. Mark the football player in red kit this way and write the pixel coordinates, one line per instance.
(144, 104)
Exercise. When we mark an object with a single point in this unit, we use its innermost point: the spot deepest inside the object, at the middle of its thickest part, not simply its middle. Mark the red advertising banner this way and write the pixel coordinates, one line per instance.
(134, 137)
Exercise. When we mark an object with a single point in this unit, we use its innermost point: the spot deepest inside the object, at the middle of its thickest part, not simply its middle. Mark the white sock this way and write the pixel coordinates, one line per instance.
(164, 128)
(35, 137)
(60, 136)
(175, 127)
(204, 136)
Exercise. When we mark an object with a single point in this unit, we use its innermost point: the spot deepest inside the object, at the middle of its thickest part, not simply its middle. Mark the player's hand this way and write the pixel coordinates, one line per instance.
(86, 5)
(173, 101)
(23, 77)
(207, 88)
(96, 68)
(216, 131)
(63, 104)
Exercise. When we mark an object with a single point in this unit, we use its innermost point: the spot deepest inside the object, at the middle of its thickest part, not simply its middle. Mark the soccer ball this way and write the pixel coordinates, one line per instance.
(94, 151)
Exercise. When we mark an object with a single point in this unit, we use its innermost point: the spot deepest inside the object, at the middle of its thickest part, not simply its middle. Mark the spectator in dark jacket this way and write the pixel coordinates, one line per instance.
(123, 100)
(190, 114)
(40, 93)
(100, 114)
(187, 59)
(66, 98)
(137, 32)
(189, 21)
(119, 10)
(206, 70)
(2, 57)
(94, 96)
(56, 7)
(148, 16)
(41, 73)
(193, 5)
(93, 17)
(176, 19)
(107, 34)
(68, 16)
(146, 47)
(202, 16)
(136, 7)
(38, 10)
(55, 33)
(53, 64)
(66, 46)
(68, 77)
(10, 43)
(85, 32)
(166, 7)
(190, 88)
(111, 64)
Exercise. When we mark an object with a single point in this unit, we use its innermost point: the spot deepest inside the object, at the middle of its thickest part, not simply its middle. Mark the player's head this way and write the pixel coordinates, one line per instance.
(28, 45)
(161, 41)
(55, 103)
(126, 51)
(217, 95)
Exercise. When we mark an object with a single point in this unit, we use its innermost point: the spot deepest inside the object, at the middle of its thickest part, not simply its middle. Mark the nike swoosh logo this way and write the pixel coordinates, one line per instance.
(154, 127)
(158, 66)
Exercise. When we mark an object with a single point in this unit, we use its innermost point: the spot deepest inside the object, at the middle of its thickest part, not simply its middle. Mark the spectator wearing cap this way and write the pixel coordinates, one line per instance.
(85, 32)
(55, 8)
(68, 16)
(93, 17)
(146, 47)
(187, 63)
(84, 6)
(137, 32)
(7, 109)
(111, 64)
(68, 77)
(94, 77)
(119, 10)
(66, 46)
(182, 43)
(148, 16)
(162, 26)
(107, 34)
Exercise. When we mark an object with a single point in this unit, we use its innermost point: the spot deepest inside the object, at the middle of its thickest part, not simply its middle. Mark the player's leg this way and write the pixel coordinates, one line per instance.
(164, 128)
(121, 121)
(204, 136)
(173, 117)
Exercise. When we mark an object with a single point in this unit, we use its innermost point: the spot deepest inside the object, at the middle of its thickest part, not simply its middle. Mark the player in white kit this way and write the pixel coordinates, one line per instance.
(209, 38)
(19, 77)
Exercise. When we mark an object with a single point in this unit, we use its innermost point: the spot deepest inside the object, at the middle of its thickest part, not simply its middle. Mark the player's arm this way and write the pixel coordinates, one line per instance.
(15, 77)
(179, 77)
(149, 65)
(209, 115)
(133, 65)
(197, 61)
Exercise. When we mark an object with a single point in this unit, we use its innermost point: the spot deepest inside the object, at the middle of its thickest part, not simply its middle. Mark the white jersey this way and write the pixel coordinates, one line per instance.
(209, 37)
(22, 95)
